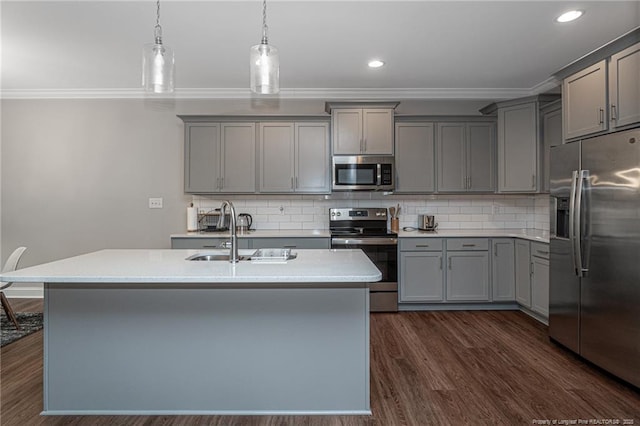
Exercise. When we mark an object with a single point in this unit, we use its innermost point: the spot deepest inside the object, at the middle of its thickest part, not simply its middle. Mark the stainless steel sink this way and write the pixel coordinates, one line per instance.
(260, 255)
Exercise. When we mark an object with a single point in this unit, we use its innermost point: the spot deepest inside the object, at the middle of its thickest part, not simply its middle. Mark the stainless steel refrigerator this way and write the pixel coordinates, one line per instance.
(594, 294)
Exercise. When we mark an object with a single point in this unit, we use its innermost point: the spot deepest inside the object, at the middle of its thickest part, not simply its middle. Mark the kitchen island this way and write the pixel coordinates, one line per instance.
(148, 332)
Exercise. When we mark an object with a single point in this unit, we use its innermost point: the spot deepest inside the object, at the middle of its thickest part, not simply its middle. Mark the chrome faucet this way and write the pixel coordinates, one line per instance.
(233, 254)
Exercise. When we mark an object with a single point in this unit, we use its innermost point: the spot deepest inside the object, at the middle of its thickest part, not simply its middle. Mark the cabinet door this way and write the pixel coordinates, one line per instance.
(276, 157)
(291, 243)
(451, 151)
(346, 125)
(202, 158)
(523, 273)
(624, 87)
(503, 268)
(414, 152)
(540, 286)
(238, 157)
(551, 136)
(377, 131)
(468, 276)
(421, 277)
(312, 162)
(518, 148)
(584, 101)
(481, 157)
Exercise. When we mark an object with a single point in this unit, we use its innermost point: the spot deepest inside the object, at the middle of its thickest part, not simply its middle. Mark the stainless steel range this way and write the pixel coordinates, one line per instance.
(366, 229)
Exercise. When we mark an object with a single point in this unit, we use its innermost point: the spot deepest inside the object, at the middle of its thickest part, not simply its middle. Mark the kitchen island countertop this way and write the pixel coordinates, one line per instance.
(171, 266)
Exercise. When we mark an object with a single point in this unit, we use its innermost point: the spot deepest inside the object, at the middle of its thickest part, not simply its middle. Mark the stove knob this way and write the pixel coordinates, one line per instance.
(338, 214)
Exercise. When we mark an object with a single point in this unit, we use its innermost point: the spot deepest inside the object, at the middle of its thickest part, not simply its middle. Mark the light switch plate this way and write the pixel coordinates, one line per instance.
(155, 203)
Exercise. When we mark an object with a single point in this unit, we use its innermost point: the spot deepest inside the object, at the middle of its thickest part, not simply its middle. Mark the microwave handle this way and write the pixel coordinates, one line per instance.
(379, 176)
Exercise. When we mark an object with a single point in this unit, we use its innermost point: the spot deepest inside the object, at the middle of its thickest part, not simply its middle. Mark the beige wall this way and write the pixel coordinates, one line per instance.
(76, 175)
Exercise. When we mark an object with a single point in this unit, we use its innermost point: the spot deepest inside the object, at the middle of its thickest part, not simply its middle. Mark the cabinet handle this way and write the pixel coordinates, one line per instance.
(290, 247)
(365, 145)
(296, 182)
(449, 263)
(542, 252)
(441, 263)
(221, 183)
(206, 246)
(533, 181)
(531, 268)
(601, 115)
(469, 186)
(614, 116)
(468, 245)
(495, 250)
(292, 182)
(422, 245)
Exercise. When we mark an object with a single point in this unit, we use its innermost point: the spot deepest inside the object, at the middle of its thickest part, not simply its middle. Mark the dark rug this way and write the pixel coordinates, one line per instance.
(30, 322)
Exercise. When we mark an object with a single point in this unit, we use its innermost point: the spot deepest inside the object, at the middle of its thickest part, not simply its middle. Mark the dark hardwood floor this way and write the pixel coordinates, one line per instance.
(428, 368)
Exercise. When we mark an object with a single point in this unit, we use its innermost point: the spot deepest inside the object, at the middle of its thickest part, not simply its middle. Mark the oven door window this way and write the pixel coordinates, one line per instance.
(356, 174)
(385, 257)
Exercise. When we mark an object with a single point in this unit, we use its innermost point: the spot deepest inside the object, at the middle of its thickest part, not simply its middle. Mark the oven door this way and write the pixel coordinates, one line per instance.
(383, 252)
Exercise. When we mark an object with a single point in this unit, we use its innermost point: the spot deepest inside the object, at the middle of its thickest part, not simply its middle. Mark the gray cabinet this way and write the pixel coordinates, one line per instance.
(624, 87)
(294, 157)
(540, 278)
(415, 160)
(198, 243)
(503, 270)
(518, 148)
(361, 131)
(465, 153)
(523, 272)
(584, 101)
(289, 242)
(551, 136)
(467, 270)
(421, 273)
(219, 157)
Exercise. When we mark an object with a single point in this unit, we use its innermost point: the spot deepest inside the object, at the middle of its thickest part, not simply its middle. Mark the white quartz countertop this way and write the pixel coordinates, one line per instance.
(170, 266)
(527, 234)
(266, 233)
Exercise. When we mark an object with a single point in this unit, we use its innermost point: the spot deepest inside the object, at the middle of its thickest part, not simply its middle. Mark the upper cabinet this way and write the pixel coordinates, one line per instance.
(294, 157)
(551, 136)
(520, 161)
(465, 153)
(415, 158)
(601, 91)
(362, 128)
(624, 87)
(219, 157)
(585, 101)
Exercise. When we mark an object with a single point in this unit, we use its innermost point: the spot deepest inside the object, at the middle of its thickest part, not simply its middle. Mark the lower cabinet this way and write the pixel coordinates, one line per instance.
(421, 273)
(503, 270)
(197, 243)
(468, 270)
(532, 276)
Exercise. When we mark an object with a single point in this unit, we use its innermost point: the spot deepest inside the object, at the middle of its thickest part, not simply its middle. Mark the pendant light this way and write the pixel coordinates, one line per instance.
(158, 65)
(264, 63)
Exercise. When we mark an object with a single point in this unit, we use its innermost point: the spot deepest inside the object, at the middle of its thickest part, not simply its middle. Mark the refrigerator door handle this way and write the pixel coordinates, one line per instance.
(581, 176)
(575, 242)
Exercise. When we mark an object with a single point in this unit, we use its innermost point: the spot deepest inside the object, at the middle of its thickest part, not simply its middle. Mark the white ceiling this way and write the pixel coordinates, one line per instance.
(433, 49)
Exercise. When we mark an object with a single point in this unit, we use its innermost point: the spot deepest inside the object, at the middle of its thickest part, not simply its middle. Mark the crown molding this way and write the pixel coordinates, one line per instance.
(303, 93)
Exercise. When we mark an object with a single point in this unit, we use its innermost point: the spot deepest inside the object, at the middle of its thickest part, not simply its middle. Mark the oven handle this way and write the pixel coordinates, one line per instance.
(389, 241)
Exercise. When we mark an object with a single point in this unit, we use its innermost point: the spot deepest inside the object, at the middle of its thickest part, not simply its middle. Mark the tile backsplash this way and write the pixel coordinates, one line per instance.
(450, 211)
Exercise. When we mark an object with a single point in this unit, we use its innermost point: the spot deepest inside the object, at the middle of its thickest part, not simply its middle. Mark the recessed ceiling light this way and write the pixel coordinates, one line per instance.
(375, 63)
(569, 16)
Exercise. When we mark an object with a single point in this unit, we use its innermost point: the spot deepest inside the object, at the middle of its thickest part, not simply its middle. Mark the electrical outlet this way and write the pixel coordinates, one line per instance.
(155, 203)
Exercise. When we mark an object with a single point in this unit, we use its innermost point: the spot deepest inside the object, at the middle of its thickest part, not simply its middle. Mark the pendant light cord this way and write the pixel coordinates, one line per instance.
(158, 28)
(264, 22)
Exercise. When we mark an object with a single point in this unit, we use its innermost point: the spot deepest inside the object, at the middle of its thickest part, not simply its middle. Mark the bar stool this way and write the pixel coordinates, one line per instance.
(9, 266)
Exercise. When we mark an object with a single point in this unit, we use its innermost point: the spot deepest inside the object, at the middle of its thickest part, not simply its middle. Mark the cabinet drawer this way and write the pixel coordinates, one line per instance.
(540, 250)
(458, 244)
(204, 243)
(293, 243)
(420, 244)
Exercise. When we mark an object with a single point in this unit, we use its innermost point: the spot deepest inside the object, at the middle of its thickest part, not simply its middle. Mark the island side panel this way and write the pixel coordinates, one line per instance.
(167, 349)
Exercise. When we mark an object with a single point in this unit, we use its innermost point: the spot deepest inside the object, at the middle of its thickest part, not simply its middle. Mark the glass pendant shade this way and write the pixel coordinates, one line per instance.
(158, 68)
(265, 69)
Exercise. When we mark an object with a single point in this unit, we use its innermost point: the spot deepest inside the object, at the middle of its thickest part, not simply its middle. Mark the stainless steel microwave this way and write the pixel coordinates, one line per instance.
(363, 173)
